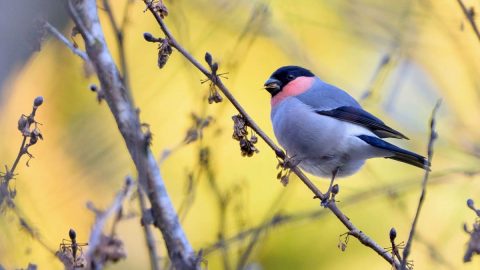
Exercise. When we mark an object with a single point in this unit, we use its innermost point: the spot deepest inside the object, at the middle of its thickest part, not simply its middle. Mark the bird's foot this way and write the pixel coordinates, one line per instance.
(329, 196)
(288, 162)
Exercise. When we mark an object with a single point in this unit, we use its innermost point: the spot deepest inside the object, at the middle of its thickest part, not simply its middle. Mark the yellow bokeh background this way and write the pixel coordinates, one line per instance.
(433, 54)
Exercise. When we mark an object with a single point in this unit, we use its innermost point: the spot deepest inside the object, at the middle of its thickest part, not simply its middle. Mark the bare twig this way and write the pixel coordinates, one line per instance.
(149, 238)
(280, 219)
(85, 16)
(470, 15)
(32, 134)
(353, 230)
(433, 137)
(101, 220)
(119, 32)
(66, 42)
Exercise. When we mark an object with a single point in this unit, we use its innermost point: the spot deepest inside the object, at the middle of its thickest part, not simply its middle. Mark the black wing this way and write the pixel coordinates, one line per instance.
(365, 119)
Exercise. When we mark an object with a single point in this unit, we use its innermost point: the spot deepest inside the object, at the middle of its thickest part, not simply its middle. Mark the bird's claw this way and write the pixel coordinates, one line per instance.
(288, 162)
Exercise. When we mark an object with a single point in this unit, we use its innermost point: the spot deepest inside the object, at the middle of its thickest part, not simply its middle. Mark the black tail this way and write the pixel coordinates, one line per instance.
(399, 154)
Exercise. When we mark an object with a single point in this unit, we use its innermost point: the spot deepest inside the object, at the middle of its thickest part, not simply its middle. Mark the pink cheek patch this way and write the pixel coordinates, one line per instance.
(293, 88)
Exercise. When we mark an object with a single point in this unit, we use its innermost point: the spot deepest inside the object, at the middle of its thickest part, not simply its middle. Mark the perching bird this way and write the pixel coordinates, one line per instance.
(325, 130)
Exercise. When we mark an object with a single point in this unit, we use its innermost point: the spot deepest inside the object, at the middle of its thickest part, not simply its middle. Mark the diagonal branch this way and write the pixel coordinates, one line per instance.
(433, 137)
(85, 15)
(469, 14)
(353, 230)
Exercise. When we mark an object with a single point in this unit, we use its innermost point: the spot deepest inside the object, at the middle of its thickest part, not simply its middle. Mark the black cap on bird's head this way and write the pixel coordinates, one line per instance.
(283, 76)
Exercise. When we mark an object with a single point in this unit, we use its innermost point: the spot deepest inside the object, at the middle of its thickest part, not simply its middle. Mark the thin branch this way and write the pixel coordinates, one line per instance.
(469, 14)
(353, 230)
(66, 42)
(85, 16)
(119, 32)
(433, 137)
(101, 219)
(24, 125)
(149, 238)
(280, 219)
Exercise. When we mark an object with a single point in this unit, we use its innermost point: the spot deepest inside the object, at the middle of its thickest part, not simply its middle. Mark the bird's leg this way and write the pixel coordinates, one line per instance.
(326, 199)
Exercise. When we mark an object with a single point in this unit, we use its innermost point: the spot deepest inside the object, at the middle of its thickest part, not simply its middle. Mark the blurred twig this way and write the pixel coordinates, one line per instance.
(85, 15)
(353, 230)
(433, 137)
(149, 237)
(66, 42)
(470, 15)
(474, 241)
(280, 219)
(119, 31)
(101, 218)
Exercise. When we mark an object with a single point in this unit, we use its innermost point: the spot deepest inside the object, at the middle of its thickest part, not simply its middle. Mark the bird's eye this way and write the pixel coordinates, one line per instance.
(290, 77)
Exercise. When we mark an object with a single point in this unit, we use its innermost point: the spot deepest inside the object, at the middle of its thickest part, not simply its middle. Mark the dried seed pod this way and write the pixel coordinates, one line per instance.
(208, 58)
(164, 52)
(38, 101)
(149, 37)
(393, 234)
(22, 123)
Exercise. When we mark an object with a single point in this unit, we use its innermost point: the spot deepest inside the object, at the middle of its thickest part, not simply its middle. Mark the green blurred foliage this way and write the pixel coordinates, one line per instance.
(432, 54)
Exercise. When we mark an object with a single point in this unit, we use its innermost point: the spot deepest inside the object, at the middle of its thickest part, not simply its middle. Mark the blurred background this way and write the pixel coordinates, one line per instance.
(397, 57)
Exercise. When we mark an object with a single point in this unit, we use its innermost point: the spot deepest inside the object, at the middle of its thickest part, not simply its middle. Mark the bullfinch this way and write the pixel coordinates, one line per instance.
(325, 130)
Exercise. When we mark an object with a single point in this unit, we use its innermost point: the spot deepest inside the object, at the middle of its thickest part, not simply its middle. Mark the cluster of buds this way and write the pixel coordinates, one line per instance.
(158, 7)
(213, 95)
(474, 242)
(28, 126)
(25, 126)
(164, 48)
(240, 133)
(284, 173)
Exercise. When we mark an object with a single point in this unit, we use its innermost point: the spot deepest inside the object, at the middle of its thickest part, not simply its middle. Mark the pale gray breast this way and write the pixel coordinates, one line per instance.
(302, 132)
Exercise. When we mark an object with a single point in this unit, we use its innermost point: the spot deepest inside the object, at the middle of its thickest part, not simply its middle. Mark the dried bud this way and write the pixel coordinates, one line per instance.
(38, 101)
(284, 180)
(72, 234)
(208, 58)
(393, 234)
(33, 139)
(471, 204)
(335, 189)
(149, 37)
(164, 52)
(214, 68)
(160, 8)
(22, 123)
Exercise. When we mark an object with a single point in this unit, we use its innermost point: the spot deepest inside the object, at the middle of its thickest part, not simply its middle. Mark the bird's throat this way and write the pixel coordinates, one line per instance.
(294, 88)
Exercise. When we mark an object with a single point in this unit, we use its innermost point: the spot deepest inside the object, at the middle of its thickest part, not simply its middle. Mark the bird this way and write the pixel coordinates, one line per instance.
(325, 130)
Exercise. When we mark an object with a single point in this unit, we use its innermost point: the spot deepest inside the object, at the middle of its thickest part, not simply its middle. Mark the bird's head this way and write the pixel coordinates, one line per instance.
(288, 81)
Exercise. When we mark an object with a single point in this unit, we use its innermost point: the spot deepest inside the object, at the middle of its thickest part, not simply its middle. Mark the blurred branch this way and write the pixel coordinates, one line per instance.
(470, 15)
(393, 190)
(381, 72)
(353, 230)
(93, 255)
(119, 32)
(149, 238)
(433, 137)
(66, 42)
(85, 15)
(474, 241)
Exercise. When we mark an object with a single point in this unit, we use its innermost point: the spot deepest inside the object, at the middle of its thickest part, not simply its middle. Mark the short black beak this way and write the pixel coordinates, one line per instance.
(272, 85)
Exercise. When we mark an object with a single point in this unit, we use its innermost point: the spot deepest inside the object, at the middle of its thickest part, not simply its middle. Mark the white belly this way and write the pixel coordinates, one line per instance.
(320, 143)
